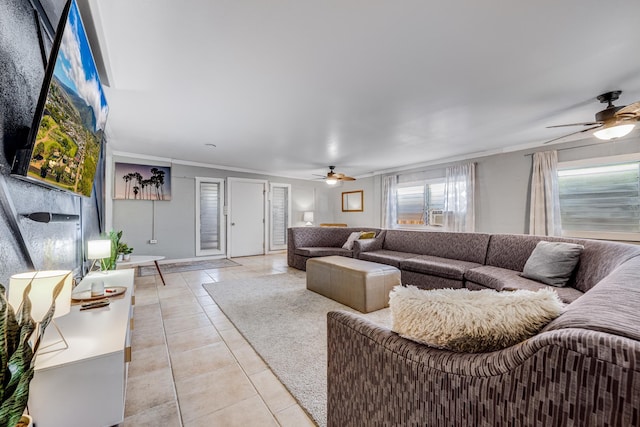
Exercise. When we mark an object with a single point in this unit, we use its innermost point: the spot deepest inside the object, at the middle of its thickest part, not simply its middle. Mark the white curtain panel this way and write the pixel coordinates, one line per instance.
(459, 198)
(544, 217)
(389, 209)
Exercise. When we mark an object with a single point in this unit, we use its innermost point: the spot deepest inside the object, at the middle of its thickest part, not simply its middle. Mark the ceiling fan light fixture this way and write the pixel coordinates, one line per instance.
(614, 131)
(331, 181)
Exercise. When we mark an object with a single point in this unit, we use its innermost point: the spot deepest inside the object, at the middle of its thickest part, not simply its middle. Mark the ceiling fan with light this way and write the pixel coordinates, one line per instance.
(332, 177)
(612, 122)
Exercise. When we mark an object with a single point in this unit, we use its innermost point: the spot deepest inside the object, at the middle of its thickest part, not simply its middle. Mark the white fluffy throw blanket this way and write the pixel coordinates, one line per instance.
(471, 321)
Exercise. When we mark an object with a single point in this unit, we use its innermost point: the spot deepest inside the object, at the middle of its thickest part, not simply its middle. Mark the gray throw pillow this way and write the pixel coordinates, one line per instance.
(552, 262)
(352, 238)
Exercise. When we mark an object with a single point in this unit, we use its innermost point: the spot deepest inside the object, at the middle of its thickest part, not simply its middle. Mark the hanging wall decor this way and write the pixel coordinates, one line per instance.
(142, 182)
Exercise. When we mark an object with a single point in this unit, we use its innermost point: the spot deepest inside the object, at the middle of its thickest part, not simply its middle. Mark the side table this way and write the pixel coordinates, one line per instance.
(138, 260)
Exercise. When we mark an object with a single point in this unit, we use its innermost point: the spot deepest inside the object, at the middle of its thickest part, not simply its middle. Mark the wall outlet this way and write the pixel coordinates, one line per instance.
(153, 241)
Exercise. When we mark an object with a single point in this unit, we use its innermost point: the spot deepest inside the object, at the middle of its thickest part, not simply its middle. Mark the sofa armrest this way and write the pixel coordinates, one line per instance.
(375, 375)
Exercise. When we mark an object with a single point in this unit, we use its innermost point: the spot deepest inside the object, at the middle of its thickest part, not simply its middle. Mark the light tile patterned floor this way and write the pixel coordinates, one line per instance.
(191, 367)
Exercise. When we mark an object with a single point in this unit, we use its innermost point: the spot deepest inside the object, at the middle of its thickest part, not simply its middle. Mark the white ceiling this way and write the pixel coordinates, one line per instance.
(289, 87)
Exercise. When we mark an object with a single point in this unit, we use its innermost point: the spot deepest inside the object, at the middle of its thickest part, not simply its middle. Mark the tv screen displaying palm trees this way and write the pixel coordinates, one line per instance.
(142, 182)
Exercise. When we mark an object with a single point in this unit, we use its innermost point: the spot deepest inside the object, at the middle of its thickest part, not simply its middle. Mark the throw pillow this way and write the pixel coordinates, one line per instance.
(352, 238)
(471, 321)
(552, 262)
(367, 235)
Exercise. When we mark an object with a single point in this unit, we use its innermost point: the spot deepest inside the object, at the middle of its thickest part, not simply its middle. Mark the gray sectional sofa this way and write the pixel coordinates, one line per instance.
(309, 242)
(434, 259)
(582, 369)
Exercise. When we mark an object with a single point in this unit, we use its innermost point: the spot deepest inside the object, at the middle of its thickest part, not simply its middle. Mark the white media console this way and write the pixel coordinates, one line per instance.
(85, 384)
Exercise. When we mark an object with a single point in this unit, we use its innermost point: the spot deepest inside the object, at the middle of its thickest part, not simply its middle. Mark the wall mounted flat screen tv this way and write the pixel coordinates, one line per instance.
(65, 140)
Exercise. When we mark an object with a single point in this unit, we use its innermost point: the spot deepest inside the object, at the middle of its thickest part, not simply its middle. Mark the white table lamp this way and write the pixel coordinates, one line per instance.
(308, 218)
(98, 250)
(43, 284)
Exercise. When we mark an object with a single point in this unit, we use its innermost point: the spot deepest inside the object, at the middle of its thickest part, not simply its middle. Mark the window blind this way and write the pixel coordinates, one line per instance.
(415, 201)
(279, 215)
(209, 215)
(602, 198)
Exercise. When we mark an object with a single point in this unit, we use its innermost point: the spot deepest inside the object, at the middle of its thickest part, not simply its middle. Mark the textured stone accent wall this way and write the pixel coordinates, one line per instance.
(53, 245)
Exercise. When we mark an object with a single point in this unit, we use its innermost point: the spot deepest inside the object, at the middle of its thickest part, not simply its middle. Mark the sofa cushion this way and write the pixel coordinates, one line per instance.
(429, 281)
(304, 237)
(471, 321)
(314, 252)
(598, 258)
(436, 266)
(471, 247)
(386, 257)
(502, 279)
(552, 263)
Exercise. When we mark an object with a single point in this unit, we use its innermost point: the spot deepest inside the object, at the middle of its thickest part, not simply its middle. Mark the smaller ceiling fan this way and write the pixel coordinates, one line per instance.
(612, 122)
(332, 177)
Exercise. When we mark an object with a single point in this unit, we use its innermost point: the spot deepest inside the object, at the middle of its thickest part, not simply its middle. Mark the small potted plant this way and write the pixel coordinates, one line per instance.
(125, 251)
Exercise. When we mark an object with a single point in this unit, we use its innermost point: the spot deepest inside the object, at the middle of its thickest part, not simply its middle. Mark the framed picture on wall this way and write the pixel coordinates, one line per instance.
(141, 182)
(353, 201)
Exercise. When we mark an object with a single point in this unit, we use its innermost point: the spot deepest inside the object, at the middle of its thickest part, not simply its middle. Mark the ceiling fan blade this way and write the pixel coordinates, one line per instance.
(347, 178)
(632, 110)
(573, 133)
(576, 124)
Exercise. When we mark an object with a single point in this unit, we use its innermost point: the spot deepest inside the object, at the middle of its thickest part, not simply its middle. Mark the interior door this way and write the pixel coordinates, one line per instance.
(246, 217)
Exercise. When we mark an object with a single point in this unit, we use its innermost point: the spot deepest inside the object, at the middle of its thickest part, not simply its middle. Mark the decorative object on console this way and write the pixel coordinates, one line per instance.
(142, 182)
(46, 289)
(552, 263)
(99, 250)
(22, 336)
(471, 321)
(307, 217)
(353, 201)
(103, 293)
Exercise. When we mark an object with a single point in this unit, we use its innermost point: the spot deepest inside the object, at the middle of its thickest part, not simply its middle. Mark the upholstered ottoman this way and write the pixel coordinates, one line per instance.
(363, 285)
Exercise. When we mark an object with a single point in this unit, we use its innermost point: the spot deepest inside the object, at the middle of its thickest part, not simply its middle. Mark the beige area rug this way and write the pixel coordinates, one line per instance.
(179, 267)
(287, 325)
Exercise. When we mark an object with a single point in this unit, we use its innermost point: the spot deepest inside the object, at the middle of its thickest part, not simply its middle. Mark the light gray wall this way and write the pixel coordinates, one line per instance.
(175, 220)
(503, 188)
(503, 181)
(370, 216)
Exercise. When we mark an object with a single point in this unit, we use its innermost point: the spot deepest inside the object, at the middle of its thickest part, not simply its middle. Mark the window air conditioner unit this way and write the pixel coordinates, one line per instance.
(436, 217)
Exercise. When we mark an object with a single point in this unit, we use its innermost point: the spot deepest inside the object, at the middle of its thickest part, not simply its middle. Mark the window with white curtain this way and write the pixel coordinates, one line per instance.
(280, 214)
(600, 198)
(210, 231)
(416, 203)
